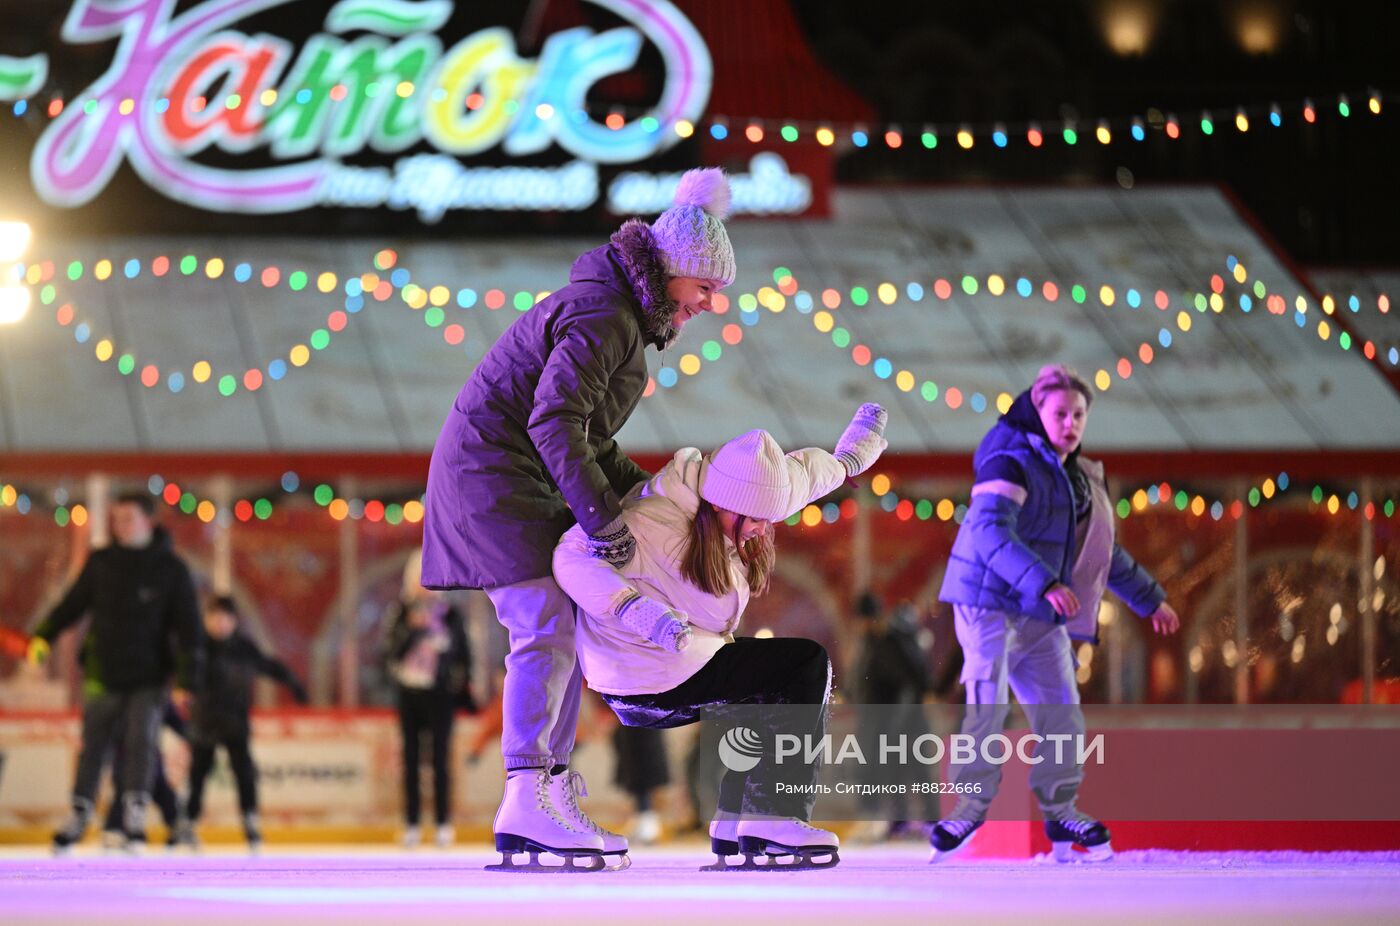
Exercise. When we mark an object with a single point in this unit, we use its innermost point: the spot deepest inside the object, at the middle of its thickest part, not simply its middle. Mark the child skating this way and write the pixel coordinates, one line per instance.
(657, 634)
(1026, 574)
(220, 714)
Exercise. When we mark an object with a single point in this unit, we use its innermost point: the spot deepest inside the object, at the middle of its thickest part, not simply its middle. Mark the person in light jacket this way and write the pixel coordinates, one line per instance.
(656, 636)
(1025, 577)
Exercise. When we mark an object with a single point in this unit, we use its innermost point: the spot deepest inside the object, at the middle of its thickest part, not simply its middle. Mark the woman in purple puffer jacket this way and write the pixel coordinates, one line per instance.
(527, 450)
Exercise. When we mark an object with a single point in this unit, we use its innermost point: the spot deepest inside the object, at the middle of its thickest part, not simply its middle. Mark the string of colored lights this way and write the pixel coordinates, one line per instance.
(952, 509)
(44, 273)
(927, 135)
(1151, 496)
(1277, 305)
(207, 510)
(372, 510)
(943, 288)
(246, 510)
(944, 509)
(432, 300)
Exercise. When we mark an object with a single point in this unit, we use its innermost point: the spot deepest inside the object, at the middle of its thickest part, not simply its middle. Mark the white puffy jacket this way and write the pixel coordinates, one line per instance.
(659, 514)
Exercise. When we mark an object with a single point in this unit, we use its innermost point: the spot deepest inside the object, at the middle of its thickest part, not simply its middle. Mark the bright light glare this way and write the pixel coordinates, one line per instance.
(14, 239)
(14, 304)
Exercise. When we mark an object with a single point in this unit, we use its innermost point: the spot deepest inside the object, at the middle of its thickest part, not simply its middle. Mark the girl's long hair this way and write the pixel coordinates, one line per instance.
(706, 561)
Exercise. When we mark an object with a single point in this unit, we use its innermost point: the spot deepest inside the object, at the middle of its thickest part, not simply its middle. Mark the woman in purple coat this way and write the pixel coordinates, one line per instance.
(528, 450)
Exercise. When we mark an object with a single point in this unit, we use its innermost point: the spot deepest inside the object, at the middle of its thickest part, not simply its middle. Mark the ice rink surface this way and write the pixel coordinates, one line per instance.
(872, 885)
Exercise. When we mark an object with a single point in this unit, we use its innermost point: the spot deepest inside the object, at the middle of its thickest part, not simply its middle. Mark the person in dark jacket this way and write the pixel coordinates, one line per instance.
(888, 680)
(528, 449)
(220, 713)
(144, 629)
(1025, 577)
(430, 660)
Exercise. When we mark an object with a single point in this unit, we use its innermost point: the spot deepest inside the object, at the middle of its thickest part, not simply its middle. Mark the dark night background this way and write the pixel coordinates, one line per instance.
(1326, 192)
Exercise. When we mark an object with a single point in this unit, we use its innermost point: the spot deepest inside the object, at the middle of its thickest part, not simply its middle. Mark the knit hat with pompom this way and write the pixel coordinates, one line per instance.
(690, 235)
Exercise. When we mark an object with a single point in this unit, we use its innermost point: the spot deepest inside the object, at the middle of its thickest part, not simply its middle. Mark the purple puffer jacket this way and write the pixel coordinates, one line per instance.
(528, 445)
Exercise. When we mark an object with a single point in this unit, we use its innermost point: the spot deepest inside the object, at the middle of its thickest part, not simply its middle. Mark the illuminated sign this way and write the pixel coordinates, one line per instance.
(767, 189)
(181, 85)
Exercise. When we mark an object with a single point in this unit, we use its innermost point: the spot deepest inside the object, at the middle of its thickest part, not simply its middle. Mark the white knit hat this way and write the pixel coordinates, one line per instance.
(749, 476)
(690, 235)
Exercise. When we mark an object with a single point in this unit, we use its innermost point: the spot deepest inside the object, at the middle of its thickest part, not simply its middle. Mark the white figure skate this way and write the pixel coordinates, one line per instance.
(529, 822)
(564, 791)
(783, 844)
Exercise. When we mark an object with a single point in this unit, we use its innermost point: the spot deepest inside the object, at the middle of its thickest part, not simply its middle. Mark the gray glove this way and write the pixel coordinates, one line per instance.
(649, 618)
(615, 544)
(863, 441)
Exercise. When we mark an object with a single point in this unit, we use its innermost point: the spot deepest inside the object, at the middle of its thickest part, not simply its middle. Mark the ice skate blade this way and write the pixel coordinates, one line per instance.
(1065, 854)
(569, 867)
(510, 845)
(778, 857)
(722, 848)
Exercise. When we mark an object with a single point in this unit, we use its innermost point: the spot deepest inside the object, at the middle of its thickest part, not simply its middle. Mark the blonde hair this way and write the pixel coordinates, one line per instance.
(1056, 377)
(706, 561)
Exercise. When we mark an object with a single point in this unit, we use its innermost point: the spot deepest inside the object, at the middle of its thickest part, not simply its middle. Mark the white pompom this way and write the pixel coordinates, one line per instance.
(706, 187)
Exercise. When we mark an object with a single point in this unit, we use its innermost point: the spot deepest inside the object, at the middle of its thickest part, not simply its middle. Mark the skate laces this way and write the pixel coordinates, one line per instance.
(967, 815)
(546, 803)
(574, 788)
(1072, 819)
(958, 828)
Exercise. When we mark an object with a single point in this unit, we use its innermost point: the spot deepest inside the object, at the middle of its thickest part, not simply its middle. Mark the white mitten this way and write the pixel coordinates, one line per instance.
(863, 441)
(649, 618)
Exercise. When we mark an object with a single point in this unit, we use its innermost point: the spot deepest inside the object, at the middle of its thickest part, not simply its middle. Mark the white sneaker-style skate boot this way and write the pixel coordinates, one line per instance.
(564, 790)
(445, 835)
(949, 837)
(778, 838)
(528, 821)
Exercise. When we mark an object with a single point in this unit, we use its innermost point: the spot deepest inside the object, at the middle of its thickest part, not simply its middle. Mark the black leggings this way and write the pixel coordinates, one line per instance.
(240, 759)
(432, 712)
(749, 671)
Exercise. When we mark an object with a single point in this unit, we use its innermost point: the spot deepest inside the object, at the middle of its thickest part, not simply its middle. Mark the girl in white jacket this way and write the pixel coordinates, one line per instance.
(656, 638)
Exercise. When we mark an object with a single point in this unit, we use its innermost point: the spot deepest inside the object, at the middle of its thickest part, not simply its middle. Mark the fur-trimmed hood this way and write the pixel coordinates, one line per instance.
(635, 248)
(632, 249)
